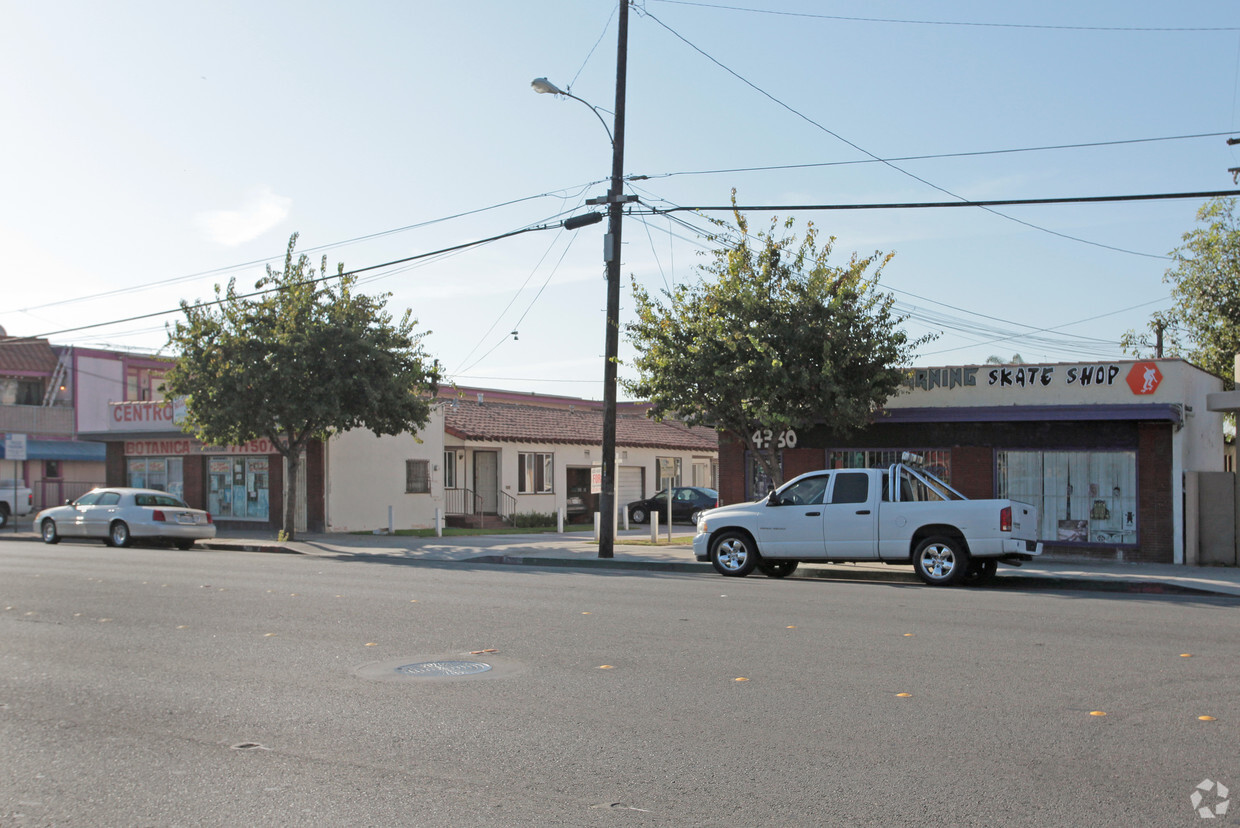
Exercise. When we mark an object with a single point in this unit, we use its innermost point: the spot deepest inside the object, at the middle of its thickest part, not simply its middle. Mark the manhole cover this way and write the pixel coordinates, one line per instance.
(449, 669)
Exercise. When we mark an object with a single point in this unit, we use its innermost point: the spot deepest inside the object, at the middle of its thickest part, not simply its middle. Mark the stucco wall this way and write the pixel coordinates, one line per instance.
(365, 475)
(97, 382)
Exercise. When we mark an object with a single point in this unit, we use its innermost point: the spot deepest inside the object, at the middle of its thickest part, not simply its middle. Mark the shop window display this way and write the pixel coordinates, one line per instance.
(162, 473)
(237, 487)
(1083, 496)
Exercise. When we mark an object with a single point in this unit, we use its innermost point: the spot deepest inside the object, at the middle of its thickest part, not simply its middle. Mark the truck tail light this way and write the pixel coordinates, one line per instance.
(158, 516)
(209, 518)
(1005, 519)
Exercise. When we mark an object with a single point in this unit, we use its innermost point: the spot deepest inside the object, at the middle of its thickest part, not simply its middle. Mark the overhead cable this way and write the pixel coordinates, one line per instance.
(1058, 27)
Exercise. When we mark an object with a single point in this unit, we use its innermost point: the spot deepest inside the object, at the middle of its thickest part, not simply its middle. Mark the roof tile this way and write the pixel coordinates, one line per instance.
(21, 356)
(535, 424)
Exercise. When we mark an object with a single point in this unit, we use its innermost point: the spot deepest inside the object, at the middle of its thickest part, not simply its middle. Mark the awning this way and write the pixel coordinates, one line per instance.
(1165, 412)
(62, 450)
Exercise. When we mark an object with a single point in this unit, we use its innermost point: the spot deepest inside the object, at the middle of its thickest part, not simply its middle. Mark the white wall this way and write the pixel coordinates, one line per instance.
(1203, 430)
(365, 475)
(576, 455)
(97, 383)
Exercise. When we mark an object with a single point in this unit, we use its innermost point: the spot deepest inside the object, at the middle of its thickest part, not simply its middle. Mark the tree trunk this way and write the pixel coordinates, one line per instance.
(290, 494)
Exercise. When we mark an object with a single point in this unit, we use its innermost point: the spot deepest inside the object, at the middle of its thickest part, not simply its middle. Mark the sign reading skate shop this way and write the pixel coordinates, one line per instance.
(1140, 378)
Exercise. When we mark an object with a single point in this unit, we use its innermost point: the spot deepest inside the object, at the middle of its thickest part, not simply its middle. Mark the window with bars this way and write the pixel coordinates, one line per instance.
(418, 476)
(936, 461)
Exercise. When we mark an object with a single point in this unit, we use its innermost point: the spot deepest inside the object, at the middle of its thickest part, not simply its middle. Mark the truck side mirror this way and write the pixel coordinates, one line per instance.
(772, 499)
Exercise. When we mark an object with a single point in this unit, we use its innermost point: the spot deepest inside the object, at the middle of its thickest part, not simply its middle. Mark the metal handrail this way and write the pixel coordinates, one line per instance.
(468, 503)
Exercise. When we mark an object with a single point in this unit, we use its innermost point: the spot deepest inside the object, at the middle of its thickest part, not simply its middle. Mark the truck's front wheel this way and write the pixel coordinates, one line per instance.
(734, 554)
(940, 561)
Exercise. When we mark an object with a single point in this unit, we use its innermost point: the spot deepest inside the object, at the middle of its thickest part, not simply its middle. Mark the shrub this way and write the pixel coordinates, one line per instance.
(531, 520)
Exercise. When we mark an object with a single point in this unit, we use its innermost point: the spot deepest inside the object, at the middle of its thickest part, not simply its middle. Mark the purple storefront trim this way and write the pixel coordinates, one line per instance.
(1165, 412)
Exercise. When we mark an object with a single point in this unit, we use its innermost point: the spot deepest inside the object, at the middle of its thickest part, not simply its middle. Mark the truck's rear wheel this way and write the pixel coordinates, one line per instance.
(940, 561)
(4, 515)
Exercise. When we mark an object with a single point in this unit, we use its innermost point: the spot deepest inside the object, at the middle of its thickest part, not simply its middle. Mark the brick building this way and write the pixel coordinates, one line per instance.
(1102, 449)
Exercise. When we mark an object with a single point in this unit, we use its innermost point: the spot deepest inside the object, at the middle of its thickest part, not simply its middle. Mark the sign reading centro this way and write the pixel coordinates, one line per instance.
(183, 446)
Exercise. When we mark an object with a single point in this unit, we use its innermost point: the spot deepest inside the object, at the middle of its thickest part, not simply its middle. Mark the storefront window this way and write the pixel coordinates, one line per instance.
(162, 473)
(936, 461)
(1082, 496)
(237, 487)
(758, 483)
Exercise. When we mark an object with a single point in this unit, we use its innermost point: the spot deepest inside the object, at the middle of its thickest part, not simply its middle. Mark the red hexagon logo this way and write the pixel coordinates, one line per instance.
(1144, 377)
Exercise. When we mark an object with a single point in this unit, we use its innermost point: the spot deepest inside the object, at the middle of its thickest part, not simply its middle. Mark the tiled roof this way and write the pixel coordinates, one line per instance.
(501, 422)
(26, 357)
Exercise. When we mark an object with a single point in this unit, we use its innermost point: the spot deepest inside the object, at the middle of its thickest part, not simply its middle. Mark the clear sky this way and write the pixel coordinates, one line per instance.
(153, 149)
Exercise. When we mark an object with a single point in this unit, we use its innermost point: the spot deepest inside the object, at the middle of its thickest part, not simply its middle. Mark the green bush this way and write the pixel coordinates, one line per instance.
(533, 520)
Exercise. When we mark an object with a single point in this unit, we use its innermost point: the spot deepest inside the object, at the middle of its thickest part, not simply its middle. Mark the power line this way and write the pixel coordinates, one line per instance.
(864, 151)
(937, 156)
(330, 246)
(912, 205)
(324, 278)
(955, 22)
(965, 327)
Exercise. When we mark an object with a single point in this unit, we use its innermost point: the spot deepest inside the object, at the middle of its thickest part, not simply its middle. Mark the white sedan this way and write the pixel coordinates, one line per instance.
(120, 516)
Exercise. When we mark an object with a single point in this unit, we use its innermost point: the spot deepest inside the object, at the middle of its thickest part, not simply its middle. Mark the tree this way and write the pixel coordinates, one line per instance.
(995, 359)
(1204, 324)
(296, 361)
(774, 337)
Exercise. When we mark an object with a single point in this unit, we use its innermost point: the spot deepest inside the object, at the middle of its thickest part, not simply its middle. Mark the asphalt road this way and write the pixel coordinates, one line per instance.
(149, 687)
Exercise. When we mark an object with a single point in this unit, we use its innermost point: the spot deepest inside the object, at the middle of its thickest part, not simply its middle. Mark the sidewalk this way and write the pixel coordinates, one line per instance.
(632, 551)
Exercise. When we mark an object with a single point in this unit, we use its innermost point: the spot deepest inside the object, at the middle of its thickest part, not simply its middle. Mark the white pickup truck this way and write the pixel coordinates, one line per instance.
(15, 500)
(897, 515)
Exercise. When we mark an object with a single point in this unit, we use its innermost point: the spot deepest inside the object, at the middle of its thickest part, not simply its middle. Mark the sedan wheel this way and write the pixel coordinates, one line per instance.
(777, 569)
(734, 554)
(940, 561)
(118, 534)
(48, 531)
(639, 516)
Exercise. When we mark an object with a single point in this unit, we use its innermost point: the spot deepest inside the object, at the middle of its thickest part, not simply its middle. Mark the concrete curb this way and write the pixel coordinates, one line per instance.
(1007, 579)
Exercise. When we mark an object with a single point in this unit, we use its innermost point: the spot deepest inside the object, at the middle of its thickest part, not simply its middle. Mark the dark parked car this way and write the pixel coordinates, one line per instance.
(687, 502)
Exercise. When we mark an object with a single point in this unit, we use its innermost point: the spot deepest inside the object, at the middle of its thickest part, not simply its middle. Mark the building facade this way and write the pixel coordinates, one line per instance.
(38, 387)
(1102, 449)
(483, 453)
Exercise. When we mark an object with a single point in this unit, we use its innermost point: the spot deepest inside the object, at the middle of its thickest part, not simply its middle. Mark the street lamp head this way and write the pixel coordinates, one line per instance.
(546, 87)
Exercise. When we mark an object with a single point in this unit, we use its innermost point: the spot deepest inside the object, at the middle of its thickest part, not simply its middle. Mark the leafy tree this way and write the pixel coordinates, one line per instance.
(773, 337)
(298, 360)
(995, 359)
(1204, 324)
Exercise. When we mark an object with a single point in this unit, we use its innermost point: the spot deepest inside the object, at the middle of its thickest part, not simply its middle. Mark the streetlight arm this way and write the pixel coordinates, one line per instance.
(546, 87)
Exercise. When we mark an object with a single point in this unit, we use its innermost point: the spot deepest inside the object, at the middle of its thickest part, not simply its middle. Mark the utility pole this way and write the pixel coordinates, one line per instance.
(611, 255)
